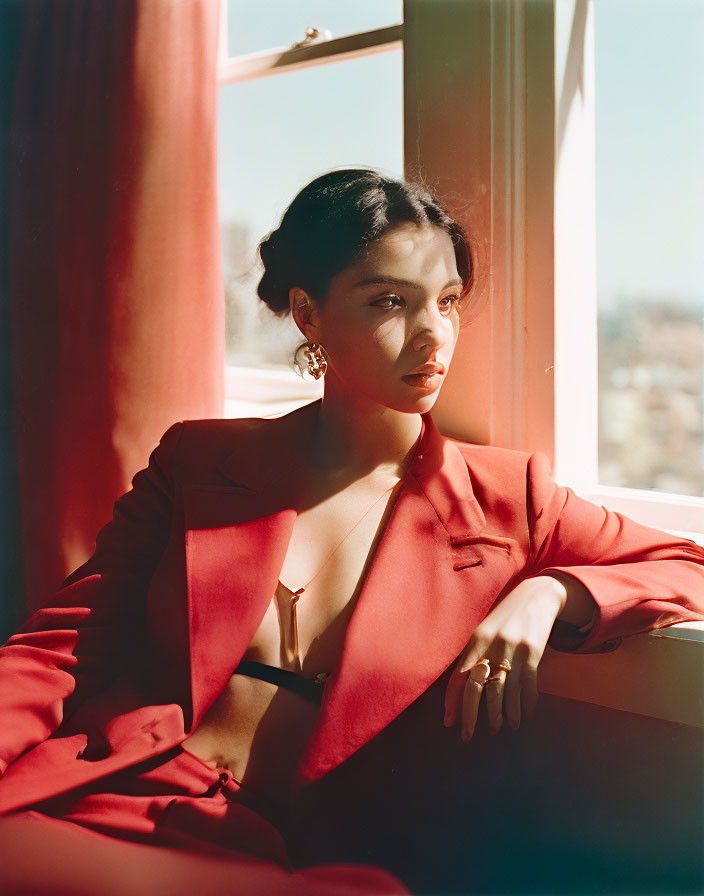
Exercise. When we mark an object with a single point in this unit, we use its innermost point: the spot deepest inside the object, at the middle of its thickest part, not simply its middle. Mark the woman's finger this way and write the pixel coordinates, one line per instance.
(494, 696)
(496, 683)
(454, 694)
(470, 706)
(529, 689)
(512, 692)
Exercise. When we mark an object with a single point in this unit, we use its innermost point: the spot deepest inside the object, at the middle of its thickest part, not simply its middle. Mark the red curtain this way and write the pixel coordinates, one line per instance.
(115, 271)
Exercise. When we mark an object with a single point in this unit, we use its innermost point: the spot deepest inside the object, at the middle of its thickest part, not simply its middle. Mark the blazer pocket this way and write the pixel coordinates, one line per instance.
(466, 560)
(483, 550)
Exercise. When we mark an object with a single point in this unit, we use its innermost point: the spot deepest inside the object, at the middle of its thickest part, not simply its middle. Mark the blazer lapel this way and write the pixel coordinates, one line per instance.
(235, 548)
(433, 578)
(237, 535)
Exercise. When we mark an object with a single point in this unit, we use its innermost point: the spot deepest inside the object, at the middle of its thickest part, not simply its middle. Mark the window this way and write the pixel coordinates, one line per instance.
(500, 118)
(629, 331)
(649, 130)
(284, 117)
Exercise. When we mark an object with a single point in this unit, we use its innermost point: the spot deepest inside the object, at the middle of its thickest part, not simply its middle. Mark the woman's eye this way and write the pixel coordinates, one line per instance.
(388, 302)
(450, 301)
(393, 300)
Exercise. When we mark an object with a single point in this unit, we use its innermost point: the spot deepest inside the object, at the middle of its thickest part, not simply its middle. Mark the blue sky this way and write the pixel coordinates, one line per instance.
(650, 148)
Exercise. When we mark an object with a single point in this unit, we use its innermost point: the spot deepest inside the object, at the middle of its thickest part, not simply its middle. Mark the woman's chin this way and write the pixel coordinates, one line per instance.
(426, 403)
(416, 404)
(407, 399)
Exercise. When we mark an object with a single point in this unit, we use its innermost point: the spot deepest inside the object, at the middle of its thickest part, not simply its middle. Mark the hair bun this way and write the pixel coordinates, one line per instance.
(273, 287)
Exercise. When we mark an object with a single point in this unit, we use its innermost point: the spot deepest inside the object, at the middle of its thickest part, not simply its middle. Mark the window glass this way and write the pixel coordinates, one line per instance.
(650, 232)
(252, 27)
(275, 135)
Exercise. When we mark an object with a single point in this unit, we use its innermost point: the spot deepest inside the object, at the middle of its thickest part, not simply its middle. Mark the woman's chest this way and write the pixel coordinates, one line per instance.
(254, 727)
(329, 553)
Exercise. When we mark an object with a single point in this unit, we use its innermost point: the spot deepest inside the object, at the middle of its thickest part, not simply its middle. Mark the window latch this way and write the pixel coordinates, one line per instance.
(313, 36)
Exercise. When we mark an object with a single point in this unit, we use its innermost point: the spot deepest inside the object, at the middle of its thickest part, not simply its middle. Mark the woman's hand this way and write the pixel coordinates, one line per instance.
(517, 629)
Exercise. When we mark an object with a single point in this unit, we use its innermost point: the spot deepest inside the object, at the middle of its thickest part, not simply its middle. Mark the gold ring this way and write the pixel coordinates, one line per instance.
(498, 676)
(505, 664)
(480, 671)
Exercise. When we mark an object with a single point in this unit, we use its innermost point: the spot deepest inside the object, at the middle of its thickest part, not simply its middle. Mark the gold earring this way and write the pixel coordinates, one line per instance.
(317, 362)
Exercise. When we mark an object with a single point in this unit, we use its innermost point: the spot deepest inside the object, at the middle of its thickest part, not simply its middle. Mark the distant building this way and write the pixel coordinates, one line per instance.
(651, 396)
(254, 337)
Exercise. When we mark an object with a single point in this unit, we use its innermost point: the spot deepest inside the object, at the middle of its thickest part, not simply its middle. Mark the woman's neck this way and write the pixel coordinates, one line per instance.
(355, 433)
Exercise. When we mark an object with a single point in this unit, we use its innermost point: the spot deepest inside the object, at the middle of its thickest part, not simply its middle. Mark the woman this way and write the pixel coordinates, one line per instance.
(272, 595)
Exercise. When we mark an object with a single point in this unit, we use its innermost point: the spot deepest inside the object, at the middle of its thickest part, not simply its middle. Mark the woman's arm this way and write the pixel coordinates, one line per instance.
(81, 638)
(536, 611)
(578, 608)
(637, 577)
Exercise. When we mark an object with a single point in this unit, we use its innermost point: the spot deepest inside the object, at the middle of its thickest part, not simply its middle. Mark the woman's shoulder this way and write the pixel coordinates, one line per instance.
(219, 435)
(219, 427)
(211, 441)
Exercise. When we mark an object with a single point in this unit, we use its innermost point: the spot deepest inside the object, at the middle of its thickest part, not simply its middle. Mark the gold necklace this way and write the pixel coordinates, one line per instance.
(289, 624)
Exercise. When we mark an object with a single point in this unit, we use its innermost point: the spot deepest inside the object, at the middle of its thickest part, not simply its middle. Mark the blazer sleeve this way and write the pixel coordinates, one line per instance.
(640, 578)
(80, 639)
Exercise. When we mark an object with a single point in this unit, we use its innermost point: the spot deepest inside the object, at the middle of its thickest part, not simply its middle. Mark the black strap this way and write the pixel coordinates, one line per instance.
(306, 687)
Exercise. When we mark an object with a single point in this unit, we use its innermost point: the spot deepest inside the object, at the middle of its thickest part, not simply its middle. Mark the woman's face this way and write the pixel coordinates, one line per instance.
(389, 323)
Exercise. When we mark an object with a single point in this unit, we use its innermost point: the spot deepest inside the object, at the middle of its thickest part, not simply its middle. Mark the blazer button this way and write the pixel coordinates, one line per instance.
(610, 644)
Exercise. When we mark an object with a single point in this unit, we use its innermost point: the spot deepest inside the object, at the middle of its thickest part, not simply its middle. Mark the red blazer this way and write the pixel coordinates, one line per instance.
(125, 658)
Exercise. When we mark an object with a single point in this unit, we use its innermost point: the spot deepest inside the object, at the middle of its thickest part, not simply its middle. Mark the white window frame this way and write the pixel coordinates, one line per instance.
(576, 419)
(512, 84)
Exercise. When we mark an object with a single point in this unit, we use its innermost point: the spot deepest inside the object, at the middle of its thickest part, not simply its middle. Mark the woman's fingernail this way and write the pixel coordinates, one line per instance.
(466, 735)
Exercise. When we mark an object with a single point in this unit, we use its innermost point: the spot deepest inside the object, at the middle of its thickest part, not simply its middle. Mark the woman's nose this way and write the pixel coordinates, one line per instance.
(430, 333)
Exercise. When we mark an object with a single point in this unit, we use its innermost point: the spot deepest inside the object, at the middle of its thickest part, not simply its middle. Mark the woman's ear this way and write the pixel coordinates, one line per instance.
(303, 312)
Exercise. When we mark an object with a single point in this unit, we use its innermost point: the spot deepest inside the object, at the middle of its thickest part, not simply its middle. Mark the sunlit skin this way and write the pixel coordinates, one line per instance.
(374, 334)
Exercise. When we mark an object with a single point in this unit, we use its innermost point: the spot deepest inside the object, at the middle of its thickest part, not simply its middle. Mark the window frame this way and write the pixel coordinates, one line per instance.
(276, 60)
(524, 76)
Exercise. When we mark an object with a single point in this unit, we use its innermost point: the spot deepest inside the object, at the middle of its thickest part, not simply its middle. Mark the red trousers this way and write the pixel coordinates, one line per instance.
(171, 825)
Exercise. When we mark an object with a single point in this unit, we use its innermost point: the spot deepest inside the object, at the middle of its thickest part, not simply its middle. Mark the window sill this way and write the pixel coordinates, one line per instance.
(656, 674)
(266, 392)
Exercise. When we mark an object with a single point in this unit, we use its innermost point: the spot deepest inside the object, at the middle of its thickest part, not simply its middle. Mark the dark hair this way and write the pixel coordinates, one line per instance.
(332, 220)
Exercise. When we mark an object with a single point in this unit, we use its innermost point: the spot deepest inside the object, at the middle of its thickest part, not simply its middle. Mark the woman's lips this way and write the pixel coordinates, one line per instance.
(426, 381)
